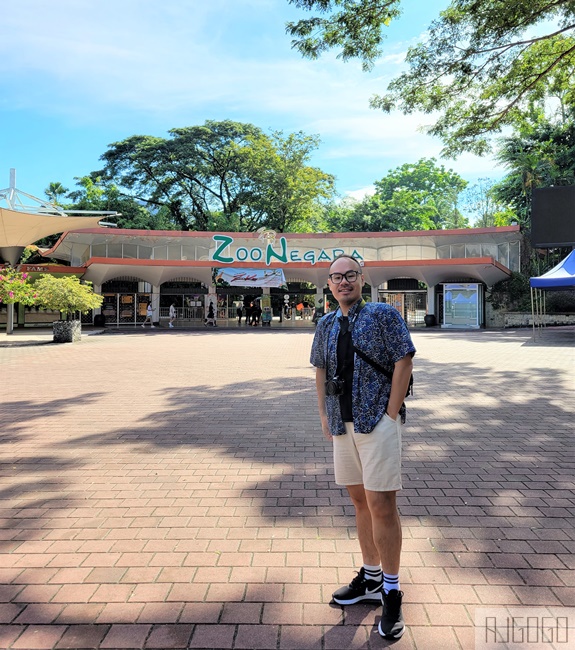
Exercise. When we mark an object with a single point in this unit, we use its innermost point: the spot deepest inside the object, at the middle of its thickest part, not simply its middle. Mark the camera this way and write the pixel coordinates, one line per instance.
(334, 386)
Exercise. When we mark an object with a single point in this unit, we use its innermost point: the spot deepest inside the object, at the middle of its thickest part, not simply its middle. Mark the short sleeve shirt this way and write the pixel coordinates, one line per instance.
(380, 333)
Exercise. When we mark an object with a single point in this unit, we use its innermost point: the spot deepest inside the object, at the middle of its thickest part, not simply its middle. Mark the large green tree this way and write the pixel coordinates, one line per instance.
(480, 66)
(419, 196)
(94, 194)
(193, 174)
(284, 188)
(221, 175)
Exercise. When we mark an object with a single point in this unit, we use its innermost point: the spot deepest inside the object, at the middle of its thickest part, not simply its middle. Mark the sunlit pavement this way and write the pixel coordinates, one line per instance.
(174, 491)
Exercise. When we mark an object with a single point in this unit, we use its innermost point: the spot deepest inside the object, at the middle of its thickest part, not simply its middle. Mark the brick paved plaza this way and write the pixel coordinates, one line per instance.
(172, 489)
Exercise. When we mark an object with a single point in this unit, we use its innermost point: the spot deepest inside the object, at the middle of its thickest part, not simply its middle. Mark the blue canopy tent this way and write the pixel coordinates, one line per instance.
(559, 278)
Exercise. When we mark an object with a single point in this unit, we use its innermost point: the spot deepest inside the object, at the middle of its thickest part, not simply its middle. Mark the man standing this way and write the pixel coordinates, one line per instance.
(172, 314)
(363, 358)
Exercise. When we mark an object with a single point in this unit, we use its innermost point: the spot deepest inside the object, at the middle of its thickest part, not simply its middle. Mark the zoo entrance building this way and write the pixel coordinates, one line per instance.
(439, 273)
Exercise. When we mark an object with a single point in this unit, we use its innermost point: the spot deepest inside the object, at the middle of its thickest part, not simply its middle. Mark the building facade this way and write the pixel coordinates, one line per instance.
(442, 273)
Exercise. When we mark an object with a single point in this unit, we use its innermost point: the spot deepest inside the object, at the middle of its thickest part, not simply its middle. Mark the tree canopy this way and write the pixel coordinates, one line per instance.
(419, 196)
(93, 193)
(66, 294)
(16, 287)
(225, 175)
(481, 65)
(284, 188)
(540, 154)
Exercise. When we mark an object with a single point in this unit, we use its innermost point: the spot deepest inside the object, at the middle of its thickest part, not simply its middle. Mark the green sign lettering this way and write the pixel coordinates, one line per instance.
(225, 242)
(282, 257)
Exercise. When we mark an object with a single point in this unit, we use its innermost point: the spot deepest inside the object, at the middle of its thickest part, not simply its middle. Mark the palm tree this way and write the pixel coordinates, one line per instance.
(54, 191)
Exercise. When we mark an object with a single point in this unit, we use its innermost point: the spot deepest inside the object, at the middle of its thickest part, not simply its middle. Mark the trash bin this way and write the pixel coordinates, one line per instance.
(99, 320)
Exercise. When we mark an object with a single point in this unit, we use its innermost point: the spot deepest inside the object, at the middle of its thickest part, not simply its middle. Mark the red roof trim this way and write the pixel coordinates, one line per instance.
(294, 235)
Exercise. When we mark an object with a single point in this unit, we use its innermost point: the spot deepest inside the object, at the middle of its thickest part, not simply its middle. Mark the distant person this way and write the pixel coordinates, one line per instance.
(249, 312)
(172, 314)
(149, 316)
(256, 314)
(211, 319)
(239, 313)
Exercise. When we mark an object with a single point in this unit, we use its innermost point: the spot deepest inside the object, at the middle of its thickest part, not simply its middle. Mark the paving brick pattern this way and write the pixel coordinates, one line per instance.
(172, 489)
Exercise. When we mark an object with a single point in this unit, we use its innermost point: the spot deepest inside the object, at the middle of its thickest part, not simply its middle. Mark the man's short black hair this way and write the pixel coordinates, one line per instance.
(349, 257)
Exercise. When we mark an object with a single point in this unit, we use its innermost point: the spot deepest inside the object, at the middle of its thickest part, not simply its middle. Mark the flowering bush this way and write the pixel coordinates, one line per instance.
(15, 287)
(66, 295)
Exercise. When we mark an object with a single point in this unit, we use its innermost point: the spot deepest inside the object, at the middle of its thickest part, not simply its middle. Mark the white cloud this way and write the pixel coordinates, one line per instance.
(361, 193)
(120, 64)
(80, 57)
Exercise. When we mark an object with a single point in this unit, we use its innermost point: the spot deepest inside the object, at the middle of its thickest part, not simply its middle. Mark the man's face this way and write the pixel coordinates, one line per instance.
(346, 292)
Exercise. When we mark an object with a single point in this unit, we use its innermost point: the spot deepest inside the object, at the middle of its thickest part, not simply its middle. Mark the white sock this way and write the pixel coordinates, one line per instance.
(390, 582)
(373, 572)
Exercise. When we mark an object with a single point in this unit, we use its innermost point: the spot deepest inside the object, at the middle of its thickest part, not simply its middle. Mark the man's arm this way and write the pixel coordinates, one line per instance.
(320, 377)
(400, 382)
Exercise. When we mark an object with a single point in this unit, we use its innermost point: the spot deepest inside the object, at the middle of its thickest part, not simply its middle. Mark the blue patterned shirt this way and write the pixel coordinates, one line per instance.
(381, 334)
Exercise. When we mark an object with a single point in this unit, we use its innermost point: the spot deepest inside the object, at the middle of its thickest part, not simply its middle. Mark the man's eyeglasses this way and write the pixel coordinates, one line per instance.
(350, 276)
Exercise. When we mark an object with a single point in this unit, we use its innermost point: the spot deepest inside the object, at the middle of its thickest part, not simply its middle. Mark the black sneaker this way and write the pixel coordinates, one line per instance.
(359, 590)
(391, 625)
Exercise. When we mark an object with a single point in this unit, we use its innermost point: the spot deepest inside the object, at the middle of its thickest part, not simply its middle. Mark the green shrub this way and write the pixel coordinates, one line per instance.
(560, 302)
(513, 294)
(66, 295)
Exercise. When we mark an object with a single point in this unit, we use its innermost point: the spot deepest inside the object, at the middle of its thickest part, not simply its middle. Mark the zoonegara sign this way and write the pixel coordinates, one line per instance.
(273, 252)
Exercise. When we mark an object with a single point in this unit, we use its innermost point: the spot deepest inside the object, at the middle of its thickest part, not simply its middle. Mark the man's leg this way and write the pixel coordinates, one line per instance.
(363, 520)
(387, 539)
(366, 586)
(386, 527)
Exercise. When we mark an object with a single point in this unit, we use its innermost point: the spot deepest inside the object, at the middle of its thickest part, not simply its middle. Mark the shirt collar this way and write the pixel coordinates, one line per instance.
(352, 310)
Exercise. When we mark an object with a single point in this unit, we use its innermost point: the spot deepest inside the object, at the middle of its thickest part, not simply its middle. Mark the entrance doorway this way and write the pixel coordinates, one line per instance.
(188, 298)
(410, 304)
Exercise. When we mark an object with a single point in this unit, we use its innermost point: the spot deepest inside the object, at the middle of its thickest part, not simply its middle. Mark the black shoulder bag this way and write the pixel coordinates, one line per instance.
(376, 365)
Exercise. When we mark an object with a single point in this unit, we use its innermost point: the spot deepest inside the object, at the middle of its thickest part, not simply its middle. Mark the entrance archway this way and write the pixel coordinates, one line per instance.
(188, 297)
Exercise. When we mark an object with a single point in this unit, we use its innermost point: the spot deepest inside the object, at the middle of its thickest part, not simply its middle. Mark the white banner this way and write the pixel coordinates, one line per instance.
(228, 277)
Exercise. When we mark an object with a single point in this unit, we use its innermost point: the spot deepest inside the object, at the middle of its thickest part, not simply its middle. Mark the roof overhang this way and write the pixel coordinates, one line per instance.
(431, 272)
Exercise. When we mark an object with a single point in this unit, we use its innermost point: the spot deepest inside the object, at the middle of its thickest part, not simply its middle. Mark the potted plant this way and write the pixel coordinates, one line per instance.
(68, 296)
(14, 287)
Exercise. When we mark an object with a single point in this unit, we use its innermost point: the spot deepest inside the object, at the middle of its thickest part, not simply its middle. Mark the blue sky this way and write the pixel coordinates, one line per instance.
(78, 75)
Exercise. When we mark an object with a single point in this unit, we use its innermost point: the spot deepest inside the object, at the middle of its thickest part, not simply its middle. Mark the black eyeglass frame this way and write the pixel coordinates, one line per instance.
(344, 275)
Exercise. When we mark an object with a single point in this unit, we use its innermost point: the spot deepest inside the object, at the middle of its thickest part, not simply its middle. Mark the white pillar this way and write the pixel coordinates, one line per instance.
(374, 294)
(431, 300)
(156, 302)
(97, 289)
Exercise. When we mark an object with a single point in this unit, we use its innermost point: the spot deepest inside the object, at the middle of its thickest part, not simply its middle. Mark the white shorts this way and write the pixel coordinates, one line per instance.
(370, 459)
